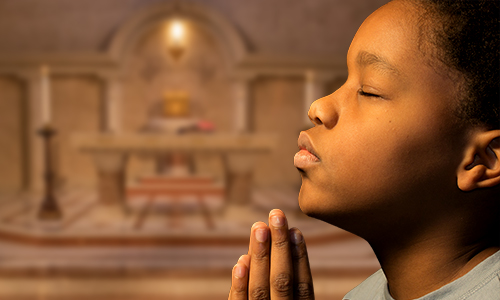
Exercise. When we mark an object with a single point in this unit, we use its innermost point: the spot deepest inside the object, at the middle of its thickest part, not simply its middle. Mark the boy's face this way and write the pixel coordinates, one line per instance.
(387, 140)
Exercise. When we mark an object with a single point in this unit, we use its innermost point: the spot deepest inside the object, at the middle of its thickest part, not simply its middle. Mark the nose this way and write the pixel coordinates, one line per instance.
(324, 111)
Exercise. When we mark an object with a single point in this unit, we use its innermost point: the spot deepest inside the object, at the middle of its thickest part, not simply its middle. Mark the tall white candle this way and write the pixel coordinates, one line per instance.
(45, 95)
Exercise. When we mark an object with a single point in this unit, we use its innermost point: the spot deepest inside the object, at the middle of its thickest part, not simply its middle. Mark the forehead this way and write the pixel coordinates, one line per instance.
(364, 59)
(388, 42)
(388, 37)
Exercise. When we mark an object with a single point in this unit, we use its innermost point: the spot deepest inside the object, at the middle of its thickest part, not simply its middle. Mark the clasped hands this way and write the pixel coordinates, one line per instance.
(276, 266)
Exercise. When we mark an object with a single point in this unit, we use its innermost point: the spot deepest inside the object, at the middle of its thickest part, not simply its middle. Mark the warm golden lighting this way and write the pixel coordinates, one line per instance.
(177, 31)
(176, 104)
(176, 39)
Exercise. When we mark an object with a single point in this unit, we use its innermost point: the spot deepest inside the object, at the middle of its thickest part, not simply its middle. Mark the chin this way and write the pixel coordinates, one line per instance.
(327, 209)
(304, 207)
(309, 203)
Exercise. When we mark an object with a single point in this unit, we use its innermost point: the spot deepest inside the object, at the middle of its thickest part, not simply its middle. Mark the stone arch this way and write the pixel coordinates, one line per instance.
(149, 18)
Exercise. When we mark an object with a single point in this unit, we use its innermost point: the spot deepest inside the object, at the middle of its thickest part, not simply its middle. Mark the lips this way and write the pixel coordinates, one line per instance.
(306, 157)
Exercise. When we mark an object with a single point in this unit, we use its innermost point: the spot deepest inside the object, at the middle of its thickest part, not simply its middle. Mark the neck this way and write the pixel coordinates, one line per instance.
(418, 265)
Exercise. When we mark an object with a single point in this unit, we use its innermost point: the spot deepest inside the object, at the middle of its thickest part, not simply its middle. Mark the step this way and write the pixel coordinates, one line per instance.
(175, 190)
(176, 180)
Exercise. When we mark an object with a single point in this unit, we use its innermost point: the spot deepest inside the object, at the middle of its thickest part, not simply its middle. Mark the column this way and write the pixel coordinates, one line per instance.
(112, 104)
(35, 164)
(315, 88)
(242, 105)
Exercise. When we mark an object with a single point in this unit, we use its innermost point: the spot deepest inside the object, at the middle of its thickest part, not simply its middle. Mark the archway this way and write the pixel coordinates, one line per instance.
(132, 30)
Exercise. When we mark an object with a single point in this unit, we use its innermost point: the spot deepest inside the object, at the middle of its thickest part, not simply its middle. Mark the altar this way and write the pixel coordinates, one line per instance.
(110, 153)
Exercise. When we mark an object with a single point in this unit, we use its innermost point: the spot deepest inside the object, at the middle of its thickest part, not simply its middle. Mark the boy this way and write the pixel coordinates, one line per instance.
(406, 154)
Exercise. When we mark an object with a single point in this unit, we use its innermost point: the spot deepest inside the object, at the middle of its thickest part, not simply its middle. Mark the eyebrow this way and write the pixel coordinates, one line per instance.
(369, 59)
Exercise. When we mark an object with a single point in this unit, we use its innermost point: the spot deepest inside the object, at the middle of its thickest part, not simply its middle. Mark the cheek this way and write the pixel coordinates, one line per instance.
(356, 163)
(363, 152)
(374, 162)
(402, 159)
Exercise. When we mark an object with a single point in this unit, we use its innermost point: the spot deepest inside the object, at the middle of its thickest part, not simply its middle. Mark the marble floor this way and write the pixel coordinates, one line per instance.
(98, 252)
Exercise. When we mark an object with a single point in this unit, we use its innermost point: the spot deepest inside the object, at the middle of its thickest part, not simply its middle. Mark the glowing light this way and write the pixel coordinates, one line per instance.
(176, 39)
(177, 31)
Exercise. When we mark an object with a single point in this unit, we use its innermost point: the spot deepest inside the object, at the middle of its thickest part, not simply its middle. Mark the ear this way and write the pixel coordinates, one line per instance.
(480, 167)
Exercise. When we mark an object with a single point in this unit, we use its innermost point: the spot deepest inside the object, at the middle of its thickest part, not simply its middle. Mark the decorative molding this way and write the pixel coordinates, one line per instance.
(155, 15)
(327, 68)
(60, 63)
(105, 67)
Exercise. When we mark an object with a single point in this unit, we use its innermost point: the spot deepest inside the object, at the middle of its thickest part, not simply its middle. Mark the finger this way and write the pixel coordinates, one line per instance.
(250, 243)
(281, 274)
(245, 260)
(258, 284)
(302, 281)
(239, 284)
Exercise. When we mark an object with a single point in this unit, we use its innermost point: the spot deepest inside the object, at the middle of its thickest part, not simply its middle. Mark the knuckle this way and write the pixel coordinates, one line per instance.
(304, 291)
(262, 254)
(239, 289)
(259, 293)
(299, 254)
(282, 284)
(281, 243)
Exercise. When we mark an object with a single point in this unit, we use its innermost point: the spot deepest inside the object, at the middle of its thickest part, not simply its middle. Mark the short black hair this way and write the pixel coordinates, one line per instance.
(466, 35)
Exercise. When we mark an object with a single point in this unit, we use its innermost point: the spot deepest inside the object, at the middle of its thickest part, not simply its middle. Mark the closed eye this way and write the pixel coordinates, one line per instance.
(365, 94)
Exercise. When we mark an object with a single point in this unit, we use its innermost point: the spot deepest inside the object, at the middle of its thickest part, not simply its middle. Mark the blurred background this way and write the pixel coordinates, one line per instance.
(141, 139)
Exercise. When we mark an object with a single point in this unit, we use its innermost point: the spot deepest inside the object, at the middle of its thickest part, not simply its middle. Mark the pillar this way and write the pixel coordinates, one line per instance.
(315, 88)
(112, 104)
(242, 103)
(35, 164)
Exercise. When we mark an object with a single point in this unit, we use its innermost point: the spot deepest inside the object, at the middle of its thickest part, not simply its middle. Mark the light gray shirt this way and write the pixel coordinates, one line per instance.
(481, 283)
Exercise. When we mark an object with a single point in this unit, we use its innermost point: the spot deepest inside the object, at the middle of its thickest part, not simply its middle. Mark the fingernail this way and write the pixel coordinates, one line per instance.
(296, 237)
(239, 271)
(261, 234)
(277, 220)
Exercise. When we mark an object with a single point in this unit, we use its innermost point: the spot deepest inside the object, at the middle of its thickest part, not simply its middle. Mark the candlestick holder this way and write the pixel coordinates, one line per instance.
(49, 209)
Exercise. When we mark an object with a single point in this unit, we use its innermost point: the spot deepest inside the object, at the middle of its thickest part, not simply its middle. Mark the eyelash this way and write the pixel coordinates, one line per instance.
(364, 94)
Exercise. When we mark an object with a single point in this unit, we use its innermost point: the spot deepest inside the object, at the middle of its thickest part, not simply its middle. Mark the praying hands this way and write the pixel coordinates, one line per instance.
(276, 266)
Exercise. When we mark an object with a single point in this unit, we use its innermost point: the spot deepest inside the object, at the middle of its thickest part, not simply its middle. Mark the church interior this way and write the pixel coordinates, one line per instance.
(141, 139)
